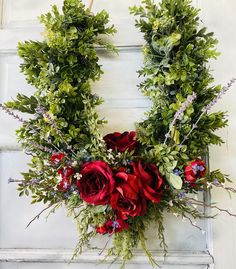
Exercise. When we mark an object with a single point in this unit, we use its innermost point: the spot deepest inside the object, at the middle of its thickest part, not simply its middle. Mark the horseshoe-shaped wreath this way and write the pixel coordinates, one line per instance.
(120, 183)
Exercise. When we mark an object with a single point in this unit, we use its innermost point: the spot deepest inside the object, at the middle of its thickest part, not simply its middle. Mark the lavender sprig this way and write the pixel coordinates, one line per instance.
(17, 117)
(43, 148)
(219, 95)
(14, 115)
(209, 106)
(179, 113)
(42, 110)
(13, 180)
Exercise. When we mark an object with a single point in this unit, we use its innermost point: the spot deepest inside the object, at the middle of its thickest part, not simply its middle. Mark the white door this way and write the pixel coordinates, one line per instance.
(48, 244)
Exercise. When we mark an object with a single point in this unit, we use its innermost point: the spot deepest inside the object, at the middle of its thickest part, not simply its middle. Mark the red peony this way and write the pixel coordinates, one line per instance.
(97, 183)
(193, 171)
(121, 142)
(126, 198)
(152, 182)
(56, 158)
(111, 227)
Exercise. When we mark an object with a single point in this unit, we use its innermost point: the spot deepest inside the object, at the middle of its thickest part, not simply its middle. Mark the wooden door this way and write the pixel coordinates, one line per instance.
(48, 244)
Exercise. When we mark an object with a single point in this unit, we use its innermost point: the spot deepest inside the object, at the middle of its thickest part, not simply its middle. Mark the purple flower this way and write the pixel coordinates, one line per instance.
(115, 224)
(177, 172)
(216, 181)
(182, 195)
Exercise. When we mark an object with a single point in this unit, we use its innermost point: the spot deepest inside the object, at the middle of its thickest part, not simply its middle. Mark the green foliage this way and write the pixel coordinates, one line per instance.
(61, 68)
(176, 56)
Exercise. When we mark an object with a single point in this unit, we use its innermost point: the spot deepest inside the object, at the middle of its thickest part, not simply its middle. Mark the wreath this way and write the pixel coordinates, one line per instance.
(120, 183)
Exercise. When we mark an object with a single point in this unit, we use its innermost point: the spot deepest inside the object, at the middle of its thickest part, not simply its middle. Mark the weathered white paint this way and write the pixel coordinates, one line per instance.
(220, 17)
(91, 256)
(123, 106)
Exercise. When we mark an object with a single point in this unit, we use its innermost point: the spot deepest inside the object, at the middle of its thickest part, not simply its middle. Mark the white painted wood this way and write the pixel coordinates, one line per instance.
(219, 16)
(20, 23)
(89, 266)
(91, 256)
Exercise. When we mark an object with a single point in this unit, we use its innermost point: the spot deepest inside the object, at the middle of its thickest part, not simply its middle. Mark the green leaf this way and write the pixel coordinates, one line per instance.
(175, 181)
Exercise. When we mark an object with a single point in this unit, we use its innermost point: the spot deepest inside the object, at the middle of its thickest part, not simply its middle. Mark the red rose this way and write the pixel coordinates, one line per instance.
(126, 198)
(152, 182)
(66, 172)
(111, 227)
(121, 142)
(196, 169)
(96, 183)
(56, 158)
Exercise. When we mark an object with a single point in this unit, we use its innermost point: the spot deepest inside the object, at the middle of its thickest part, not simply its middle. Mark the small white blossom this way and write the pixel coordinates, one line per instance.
(46, 162)
(78, 176)
(209, 185)
(176, 215)
(171, 203)
(74, 164)
(110, 156)
(59, 178)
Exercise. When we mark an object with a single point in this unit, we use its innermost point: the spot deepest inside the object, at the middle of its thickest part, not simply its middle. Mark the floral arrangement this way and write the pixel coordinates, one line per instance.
(120, 183)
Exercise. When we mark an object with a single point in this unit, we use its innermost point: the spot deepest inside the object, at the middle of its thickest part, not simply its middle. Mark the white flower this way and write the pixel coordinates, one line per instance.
(59, 178)
(74, 164)
(110, 156)
(209, 185)
(46, 162)
(78, 176)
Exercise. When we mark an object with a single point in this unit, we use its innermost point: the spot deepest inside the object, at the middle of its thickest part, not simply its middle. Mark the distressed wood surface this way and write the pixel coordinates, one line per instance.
(123, 106)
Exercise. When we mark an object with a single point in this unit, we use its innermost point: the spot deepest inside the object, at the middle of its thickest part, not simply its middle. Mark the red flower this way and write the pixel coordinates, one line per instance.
(56, 158)
(196, 169)
(97, 183)
(111, 227)
(152, 182)
(66, 172)
(126, 198)
(121, 142)
(64, 184)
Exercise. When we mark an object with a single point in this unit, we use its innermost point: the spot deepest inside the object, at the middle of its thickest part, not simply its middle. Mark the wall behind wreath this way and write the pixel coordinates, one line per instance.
(123, 106)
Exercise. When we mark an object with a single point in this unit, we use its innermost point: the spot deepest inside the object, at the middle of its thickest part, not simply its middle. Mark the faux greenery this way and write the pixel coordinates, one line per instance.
(65, 127)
